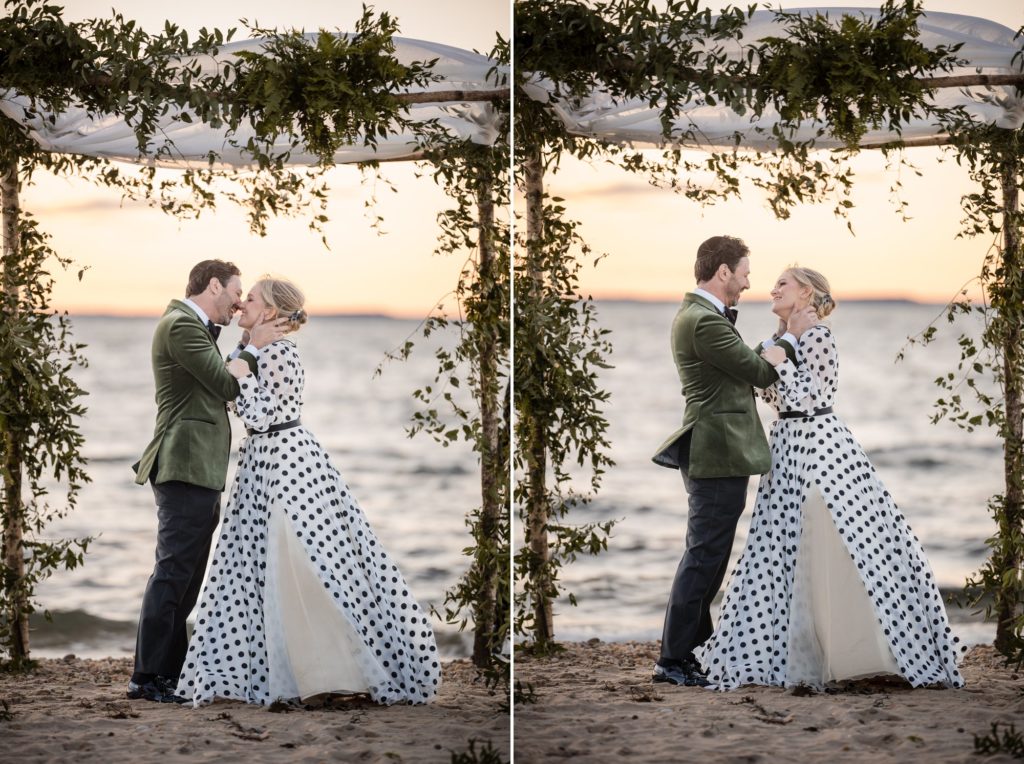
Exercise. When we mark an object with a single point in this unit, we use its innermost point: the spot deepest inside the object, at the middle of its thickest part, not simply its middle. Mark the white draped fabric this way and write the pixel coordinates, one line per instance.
(988, 48)
(78, 132)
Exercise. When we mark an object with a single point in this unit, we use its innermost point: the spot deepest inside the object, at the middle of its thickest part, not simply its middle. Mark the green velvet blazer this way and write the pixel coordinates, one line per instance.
(192, 438)
(718, 373)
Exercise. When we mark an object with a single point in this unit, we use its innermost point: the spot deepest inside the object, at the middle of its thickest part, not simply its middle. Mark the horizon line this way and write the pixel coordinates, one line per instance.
(395, 314)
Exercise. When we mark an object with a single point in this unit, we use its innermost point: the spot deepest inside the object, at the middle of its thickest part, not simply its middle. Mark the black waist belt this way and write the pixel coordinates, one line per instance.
(274, 427)
(802, 415)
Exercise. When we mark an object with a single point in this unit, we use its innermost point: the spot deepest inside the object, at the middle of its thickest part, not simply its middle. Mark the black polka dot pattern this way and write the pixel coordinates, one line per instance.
(751, 642)
(233, 652)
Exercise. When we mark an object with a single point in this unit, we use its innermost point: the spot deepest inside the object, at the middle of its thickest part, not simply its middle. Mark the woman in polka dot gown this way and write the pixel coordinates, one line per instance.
(300, 599)
(832, 584)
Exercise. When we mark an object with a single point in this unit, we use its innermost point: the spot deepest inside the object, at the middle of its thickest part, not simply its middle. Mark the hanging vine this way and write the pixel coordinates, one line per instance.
(40, 404)
(314, 95)
(987, 387)
(824, 76)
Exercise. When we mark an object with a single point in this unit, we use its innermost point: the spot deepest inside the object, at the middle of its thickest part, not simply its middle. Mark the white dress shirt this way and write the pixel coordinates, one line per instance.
(720, 306)
(206, 322)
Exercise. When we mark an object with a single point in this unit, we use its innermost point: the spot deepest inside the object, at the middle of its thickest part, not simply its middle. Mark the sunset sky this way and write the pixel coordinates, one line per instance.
(651, 235)
(138, 258)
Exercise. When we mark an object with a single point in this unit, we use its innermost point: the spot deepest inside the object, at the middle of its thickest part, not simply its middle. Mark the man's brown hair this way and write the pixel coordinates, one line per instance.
(199, 277)
(716, 252)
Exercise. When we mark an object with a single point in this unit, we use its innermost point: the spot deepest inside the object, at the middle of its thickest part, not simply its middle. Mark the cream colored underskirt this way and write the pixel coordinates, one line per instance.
(834, 632)
(312, 648)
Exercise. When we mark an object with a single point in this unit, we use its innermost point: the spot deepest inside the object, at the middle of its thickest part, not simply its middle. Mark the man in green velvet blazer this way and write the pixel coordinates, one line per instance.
(720, 444)
(192, 437)
(187, 462)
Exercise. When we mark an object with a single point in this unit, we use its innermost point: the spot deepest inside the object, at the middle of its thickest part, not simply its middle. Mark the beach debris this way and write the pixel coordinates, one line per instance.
(1007, 740)
(122, 710)
(241, 731)
(763, 714)
(338, 702)
(486, 754)
(643, 694)
(524, 693)
(803, 690)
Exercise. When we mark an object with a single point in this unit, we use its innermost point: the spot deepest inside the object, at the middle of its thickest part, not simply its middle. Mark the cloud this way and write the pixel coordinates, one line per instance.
(611, 190)
(80, 206)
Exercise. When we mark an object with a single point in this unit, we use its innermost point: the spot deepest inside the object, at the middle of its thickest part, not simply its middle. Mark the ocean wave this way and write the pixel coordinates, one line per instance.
(71, 627)
(126, 459)
(438, 469)
(84, 633)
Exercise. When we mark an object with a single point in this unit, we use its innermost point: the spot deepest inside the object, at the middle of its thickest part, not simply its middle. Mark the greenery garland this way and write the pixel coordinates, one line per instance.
(296, 94)
(845, 76)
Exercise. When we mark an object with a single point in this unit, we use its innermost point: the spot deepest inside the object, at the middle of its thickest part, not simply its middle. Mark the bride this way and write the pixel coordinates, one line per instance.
(300, 599)
(832, 584)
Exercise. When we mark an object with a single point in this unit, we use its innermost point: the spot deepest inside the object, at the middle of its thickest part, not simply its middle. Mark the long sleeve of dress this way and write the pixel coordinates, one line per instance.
(808, 386)
(271, 397)
(770, 395)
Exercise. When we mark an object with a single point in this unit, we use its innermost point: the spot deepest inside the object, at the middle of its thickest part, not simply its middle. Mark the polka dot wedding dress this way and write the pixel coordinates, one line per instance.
(832, 584)
(301, 599)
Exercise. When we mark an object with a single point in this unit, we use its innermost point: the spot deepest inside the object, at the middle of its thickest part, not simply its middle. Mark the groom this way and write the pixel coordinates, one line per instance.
(187, 464)
(720, 445)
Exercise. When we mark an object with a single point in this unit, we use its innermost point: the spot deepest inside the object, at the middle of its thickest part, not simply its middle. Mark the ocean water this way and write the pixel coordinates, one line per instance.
(940, 476)
(414, 492)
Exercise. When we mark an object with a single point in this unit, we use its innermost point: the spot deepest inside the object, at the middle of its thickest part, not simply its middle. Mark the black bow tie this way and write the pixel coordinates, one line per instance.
(214, 330)
(731, 314)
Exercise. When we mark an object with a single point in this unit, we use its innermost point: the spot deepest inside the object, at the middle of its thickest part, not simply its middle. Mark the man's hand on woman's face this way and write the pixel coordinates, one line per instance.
(801, 320)
(265, 332)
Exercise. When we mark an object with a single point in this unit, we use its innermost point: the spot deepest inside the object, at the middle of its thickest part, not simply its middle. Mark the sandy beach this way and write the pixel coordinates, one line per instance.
(76, 710)
(595, 702)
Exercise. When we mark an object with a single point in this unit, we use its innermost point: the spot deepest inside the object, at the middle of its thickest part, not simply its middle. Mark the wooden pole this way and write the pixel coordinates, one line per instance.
(11, 462)
(971, 80)
(538, 508)
(454, 96)
(485, 617)
(909, 143)
(1007, 602)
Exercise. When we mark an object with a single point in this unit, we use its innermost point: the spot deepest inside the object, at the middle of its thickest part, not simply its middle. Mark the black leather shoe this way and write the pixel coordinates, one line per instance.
(685, 675)
(166, 684)
(691, 665)
(158, 690)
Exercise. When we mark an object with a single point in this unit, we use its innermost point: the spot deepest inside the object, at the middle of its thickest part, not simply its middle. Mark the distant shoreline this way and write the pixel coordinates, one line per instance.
(752, 301)
(386, 316)
(599, 300)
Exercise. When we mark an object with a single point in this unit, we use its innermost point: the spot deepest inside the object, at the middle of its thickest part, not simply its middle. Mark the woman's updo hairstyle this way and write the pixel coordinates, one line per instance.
(286, 298)
(821, 292)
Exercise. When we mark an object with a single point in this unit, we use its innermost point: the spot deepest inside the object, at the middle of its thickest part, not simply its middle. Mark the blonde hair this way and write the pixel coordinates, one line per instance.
(284, 297)
(821, 292)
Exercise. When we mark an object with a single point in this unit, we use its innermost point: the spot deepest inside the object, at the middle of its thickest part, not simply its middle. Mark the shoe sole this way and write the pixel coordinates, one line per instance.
(157, 698)
(658, 679)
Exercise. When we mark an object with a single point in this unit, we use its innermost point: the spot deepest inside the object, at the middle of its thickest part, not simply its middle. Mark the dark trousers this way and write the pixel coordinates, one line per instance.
(715, 507)
(188, 515)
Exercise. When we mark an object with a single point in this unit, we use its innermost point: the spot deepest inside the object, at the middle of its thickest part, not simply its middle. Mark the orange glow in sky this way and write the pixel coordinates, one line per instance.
(138, 258)
(650, 236)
